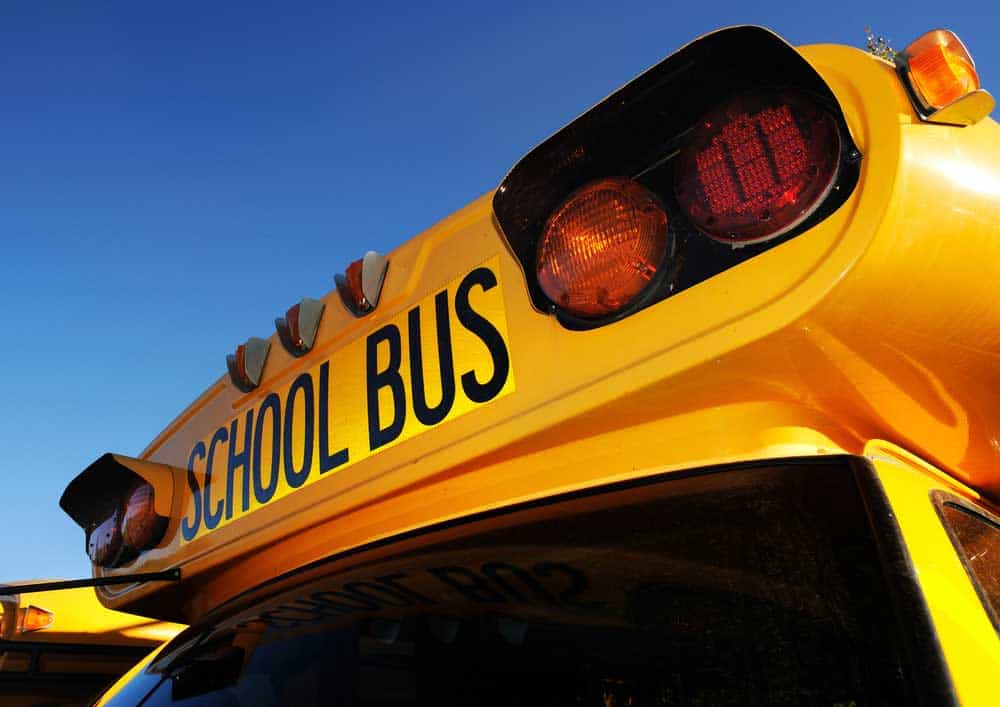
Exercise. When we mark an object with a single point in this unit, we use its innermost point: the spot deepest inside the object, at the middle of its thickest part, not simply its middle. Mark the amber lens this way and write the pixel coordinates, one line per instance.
(941, 68)
(601, 247)
(35, 619)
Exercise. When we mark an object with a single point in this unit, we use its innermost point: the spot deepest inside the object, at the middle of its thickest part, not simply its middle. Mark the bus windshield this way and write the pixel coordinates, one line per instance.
(757, 584)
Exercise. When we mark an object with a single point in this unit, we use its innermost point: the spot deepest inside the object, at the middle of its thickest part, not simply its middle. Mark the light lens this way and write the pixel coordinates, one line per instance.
(601, 247)
(292, 317)
(941, 69)
(757, 166)
(351, 292)
(104, 544)
(34, 618)
(237, 365)
(246, 366)
(142, 528)
(297, 329)
(361, 284)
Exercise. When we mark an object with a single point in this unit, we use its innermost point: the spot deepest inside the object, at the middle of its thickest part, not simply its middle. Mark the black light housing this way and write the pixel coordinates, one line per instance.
(638, 132)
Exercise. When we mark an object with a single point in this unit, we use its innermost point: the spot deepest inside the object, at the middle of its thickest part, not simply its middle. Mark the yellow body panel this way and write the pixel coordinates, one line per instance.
(79, 618)
(879, 323)
(876, 323)
(967, 636)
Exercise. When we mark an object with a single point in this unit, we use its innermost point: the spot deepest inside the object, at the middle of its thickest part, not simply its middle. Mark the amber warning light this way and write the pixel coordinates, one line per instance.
(33, 618)
(602, 247)
(942, 79)
(941, 68)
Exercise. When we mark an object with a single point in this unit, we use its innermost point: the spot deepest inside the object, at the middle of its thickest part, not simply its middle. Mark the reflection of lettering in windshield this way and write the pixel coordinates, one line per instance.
(489, 584)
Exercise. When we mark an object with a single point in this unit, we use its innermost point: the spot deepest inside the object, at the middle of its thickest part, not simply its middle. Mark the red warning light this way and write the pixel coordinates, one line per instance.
(758, 166)
(142, 528)
(104, 543)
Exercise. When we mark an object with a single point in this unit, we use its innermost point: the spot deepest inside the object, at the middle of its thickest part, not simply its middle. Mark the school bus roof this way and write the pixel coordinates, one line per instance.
(456, 394)
(76, 616)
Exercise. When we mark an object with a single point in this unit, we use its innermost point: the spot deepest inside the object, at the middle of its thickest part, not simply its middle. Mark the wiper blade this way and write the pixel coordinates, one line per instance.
(171, 575)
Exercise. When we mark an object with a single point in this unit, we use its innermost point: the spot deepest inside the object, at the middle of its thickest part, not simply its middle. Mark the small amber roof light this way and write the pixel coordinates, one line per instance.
(361, 284)
(35, 619)
(940, 69)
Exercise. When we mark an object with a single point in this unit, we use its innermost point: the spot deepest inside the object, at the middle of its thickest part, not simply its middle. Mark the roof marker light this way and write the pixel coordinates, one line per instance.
(297, 329)
(246, 366)
(34, 618)
(942, 78)
(361, 284)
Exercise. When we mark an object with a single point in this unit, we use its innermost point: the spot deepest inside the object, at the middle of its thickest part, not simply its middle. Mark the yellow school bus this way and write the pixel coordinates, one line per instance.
(65, 648)
(697, 407)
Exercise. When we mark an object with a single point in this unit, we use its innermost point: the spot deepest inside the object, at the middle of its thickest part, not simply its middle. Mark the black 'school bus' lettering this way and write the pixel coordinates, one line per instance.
(480, 326)
(245, 446)
(296, 477)
(261, 492)
(189, 530)
(389, 378)
(213, 516)
(239, 460)
(327, 461)
(426, 414)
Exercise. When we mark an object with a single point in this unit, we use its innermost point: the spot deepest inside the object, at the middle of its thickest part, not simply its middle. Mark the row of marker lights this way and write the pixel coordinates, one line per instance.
(359, 287)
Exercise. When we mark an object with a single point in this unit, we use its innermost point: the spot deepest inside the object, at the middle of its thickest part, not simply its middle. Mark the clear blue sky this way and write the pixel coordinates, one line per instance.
(171, 179)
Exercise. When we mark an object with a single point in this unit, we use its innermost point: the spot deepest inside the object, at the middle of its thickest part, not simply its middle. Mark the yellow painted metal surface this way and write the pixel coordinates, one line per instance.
(968, 638)
(82, 650)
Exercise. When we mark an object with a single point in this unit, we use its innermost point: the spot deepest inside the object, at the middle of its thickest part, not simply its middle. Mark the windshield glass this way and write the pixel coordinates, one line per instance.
(757, 585)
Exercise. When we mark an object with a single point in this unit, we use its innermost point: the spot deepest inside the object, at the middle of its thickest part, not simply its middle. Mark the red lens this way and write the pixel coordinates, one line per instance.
(142, 528)
(292, 318)
(104, 544)
(758, 166)
(602, 247)
(241, 366)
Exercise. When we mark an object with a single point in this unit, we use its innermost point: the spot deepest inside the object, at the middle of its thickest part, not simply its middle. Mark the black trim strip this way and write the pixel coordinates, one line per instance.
(921, 648)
